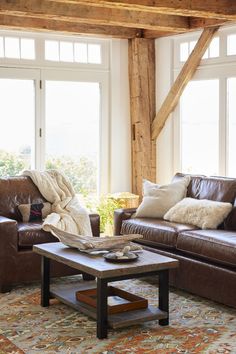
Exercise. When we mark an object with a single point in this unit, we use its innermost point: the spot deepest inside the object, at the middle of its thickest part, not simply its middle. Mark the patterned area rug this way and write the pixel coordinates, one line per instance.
(196, 325)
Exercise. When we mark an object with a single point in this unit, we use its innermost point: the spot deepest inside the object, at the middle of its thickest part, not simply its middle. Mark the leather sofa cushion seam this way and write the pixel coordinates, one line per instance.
(218, 261)
(203, 239)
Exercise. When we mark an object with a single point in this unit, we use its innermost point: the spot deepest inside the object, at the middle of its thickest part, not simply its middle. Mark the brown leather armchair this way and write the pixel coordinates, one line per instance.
(18, 263)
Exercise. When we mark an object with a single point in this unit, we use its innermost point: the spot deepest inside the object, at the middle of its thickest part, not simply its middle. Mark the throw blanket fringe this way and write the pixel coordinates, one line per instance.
(67, 213)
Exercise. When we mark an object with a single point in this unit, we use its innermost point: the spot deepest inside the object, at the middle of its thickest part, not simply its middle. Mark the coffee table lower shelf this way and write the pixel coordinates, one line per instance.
(66, 294)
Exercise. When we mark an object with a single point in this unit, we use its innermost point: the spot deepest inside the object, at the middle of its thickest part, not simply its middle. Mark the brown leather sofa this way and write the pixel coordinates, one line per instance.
(18, 263)
(207, 257)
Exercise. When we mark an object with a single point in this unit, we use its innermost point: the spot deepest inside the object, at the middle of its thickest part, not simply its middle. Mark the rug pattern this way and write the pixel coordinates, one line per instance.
(196, 325)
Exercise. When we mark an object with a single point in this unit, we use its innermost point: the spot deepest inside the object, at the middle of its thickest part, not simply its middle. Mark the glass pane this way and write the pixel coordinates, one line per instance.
(27, 49)
(80, 52)
(17, 111)
(184, 51)
(94, 54)
(72, 131)
(192, 45)
(231, 44)
(231, 171)
(1, 48)
(199, 117)
(214, 49)
(12, 48)
(206, 54)
(52, 50)
(66, 51)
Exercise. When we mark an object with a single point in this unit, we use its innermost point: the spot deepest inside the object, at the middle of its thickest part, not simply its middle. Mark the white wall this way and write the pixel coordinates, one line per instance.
(120, 142)
(164, 79)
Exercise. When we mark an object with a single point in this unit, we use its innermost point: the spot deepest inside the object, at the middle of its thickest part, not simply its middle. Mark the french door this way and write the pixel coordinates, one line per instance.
(55, 119)
(19, 116)
(205, 124)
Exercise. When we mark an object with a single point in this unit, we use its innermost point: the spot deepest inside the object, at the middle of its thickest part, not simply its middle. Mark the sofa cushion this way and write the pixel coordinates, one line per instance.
(158, 199)
(219, 189)
(15, 191)
(230, 221)
(32, 212)
(30, 234)
(194, 186)
(218, 246)
(206, 214)
(156, 232)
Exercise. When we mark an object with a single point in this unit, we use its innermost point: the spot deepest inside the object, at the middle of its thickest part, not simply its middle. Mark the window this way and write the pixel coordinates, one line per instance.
(72, 131)
(17, 48)
(55, 118)
(73, 52)
(199, 121)
(231, 93)
(231, 44)
(53, 50)
(17, 135)
(185, 49)
(205, 124)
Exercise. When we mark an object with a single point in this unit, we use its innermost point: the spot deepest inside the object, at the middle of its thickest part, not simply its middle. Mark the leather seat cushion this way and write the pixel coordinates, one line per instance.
(30, 234)
(155, 231)
(214, 245)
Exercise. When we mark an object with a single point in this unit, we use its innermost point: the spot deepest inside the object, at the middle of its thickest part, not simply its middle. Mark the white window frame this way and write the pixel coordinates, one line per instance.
(40, 51)
(41, 70)
(221, 68)
(30, 74)
(103, 80)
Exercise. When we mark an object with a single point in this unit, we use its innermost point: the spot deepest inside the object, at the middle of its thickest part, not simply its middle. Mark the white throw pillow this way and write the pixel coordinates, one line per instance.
(206, 214)
(159, 199)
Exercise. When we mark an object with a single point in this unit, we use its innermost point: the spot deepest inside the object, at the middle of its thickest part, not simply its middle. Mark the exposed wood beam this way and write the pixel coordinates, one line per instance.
(183, 78)
(74, 12)
(195, 24)
(142, 110)
(221, 9)
(34, 24)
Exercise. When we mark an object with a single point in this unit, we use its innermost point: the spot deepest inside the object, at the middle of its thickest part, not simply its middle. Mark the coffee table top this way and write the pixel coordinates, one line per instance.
(98, 267)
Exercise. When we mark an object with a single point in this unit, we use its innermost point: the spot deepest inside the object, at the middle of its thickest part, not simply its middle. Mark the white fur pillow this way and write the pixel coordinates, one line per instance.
(158, 199)
(206, 214)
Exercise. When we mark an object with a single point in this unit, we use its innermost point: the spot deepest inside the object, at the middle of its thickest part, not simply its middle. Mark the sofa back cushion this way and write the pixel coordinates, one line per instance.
(15, 191)
(220, 189)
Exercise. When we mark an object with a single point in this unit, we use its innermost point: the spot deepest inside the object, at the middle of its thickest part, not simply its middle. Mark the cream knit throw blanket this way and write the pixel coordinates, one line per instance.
(67, 213)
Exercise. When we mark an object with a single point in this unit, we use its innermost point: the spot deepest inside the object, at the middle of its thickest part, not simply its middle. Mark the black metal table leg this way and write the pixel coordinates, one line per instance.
(164, 295)
(45, 281)
(102, 314)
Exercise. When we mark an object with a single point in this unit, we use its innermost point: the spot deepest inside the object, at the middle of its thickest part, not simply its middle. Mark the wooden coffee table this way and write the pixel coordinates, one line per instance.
(148, 264)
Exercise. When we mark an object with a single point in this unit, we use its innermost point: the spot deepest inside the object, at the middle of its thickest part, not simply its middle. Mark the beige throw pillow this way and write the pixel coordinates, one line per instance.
(206, 214)
(158, 199)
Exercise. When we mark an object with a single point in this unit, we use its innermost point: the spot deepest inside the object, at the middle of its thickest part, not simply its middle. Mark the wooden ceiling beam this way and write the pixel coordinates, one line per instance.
(182, 80)
(43, 25)
(221, 9)
(90, 15)
(195, 24)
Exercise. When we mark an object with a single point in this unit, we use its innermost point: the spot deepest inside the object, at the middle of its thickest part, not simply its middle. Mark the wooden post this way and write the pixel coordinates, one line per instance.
(142, 110)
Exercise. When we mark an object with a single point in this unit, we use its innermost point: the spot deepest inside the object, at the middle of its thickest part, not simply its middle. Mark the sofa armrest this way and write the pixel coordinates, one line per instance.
(119, 216)
(95, 224)
(8, 245)
(8, 230)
